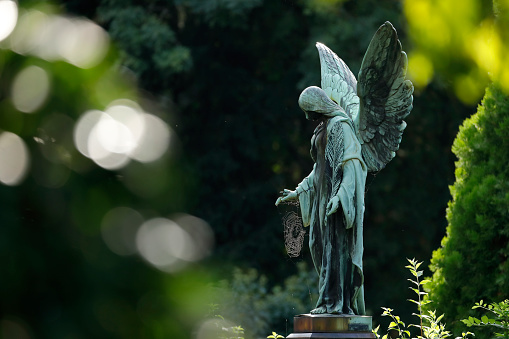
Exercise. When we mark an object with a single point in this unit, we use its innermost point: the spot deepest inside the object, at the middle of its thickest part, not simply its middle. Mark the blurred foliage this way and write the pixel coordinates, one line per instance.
(472, 262)
(58, 277)
(464, 42)
(247, 299)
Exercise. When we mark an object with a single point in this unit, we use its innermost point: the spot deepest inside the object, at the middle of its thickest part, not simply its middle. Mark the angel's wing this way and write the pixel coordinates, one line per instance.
(338, 82)
(385, 98)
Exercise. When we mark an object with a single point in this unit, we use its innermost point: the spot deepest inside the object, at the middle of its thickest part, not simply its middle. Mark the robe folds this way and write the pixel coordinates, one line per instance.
(336, 240)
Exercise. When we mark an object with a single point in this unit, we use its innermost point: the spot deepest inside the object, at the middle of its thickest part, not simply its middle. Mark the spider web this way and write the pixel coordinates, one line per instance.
(294, 232)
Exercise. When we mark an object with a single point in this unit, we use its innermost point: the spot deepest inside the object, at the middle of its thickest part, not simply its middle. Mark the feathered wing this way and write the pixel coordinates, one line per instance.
(385, 98)
(338, 82)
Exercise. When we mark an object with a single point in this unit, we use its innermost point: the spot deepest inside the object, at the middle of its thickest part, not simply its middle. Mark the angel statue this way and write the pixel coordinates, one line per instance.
(360, 128)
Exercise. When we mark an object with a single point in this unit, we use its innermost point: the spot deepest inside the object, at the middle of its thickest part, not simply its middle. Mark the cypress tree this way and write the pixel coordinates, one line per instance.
(472, 262)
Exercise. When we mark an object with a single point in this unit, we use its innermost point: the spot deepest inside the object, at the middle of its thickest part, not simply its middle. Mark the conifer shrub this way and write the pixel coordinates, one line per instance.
(472, 262)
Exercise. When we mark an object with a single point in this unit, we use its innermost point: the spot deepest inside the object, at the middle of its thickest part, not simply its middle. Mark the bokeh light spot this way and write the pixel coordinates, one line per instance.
(80, 42)
(201, 234)
(51, 36)
(468, 88)
(119, 229)
(102, 156)
(114, 136)
(486, 48)
(155, 142)
(8, 17)
(127, 131)
(170, 246)
(83, 128)
(30, 89)
(27, 35)
(163, 244)
(420, 69)
(85, 44)
(121, 133)
(14, 159)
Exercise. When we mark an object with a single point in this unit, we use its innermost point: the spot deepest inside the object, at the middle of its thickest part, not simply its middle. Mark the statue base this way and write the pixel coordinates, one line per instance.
(330, 326)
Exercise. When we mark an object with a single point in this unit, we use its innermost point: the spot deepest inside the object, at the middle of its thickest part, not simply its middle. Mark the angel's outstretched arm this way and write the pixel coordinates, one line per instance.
(304, 186)
(304, 193)
(286, 195)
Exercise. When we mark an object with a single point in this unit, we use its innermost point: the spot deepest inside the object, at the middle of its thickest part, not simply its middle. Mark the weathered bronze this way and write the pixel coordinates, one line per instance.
(360, 129)
(332, 326)
(331, 323)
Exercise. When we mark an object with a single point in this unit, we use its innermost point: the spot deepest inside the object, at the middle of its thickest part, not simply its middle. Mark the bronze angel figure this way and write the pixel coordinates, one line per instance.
(360, 129)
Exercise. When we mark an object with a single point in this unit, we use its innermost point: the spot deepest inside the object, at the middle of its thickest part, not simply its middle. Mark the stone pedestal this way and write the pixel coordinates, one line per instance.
(329, 326)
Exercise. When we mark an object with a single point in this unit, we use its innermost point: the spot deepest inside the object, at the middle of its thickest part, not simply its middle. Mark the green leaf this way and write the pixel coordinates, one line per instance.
(466, 322)
(414, 282)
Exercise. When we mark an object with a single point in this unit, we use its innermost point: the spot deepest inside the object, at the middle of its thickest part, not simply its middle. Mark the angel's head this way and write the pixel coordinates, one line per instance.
(317, 105)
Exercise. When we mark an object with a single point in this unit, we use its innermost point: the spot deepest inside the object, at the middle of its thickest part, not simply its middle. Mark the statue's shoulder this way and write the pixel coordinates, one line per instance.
(339, 122)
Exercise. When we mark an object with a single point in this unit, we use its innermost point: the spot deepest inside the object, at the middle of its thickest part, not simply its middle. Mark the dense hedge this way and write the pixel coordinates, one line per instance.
(472, 262)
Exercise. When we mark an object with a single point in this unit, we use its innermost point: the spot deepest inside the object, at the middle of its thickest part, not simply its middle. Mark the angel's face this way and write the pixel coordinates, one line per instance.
(313, 116)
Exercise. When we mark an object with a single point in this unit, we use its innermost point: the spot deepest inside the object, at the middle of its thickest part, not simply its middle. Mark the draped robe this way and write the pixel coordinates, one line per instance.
(336, 241)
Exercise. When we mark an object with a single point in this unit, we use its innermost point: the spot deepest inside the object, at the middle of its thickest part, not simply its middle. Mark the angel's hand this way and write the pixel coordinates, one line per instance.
(287, 195)
(333, 205)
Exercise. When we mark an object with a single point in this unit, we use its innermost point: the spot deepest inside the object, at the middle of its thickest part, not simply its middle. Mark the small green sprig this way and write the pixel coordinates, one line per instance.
(395, 325)
(420, 302)
(500, 321)
(429, 324)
